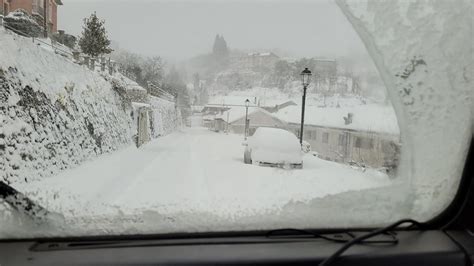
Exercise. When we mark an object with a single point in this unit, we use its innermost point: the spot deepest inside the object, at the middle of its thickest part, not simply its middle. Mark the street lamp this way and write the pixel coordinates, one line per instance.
(247, 104)
(306, 78)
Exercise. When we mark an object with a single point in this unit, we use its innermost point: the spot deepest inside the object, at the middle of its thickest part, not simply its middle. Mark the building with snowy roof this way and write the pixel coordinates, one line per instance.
(259, 61)
(362, 134)
(233, 120)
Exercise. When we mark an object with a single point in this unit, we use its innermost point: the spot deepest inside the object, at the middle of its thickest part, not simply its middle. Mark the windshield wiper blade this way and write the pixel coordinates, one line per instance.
(343, 236)
(299, 233)
(22, 203)
(363, 238)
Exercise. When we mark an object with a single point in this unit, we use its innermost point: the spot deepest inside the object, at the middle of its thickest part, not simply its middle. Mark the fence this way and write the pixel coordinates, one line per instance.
(159, 92)
(57, 48)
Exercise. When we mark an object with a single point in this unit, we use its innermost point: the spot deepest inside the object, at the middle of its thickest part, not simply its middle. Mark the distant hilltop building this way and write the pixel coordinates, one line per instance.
(258, 61)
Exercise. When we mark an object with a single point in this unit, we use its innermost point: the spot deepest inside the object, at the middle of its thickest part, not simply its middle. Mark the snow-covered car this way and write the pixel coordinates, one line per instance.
(273, 147)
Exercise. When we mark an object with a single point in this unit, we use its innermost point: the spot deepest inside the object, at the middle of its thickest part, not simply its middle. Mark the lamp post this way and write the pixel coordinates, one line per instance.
(306, 78)
(247, 104)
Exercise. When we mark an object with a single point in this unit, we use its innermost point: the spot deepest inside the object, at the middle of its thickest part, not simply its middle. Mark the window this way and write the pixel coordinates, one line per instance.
(388, 146)
(68, 142)
(364, 143)
(342, 140)
(325, 137)
(309, 135)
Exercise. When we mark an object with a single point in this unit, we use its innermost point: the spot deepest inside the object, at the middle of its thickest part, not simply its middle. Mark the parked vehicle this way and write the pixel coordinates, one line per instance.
(273, 147)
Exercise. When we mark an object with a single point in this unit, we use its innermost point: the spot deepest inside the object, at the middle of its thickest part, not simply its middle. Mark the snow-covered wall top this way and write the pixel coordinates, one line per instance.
(424, 53)
(54, 114)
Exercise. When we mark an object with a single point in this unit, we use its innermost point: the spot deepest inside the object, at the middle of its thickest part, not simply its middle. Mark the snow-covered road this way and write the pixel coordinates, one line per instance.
(193, 169)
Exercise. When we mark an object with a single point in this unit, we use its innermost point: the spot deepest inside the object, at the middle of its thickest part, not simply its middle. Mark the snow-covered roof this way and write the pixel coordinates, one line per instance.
(324, 59)
(262, 54)
(236, 113)
(370, 117)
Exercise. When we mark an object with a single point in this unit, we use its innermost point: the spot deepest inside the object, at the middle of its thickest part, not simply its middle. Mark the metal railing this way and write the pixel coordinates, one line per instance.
(57, 49)
(159, 92)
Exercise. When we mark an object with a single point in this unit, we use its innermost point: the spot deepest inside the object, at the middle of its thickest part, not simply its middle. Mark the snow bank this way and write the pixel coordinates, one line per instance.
(54, 114)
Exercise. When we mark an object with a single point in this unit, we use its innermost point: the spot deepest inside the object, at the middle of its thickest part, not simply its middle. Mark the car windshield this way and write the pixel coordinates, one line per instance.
(153, 117)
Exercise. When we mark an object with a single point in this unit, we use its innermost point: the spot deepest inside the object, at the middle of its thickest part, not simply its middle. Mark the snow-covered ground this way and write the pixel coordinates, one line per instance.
(269, 97)
(192, 170)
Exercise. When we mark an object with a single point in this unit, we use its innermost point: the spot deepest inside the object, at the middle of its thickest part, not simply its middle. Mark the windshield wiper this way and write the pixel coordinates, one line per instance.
(347, 237)
(344, 236)
(363, 238)
(22, 203)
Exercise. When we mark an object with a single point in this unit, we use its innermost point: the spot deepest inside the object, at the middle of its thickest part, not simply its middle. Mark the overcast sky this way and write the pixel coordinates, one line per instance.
(182, 29)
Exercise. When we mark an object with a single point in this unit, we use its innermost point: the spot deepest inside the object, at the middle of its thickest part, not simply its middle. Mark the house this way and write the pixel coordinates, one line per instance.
(210, 112)
(259, 61)
(365, 134)
(38, 9)
(233, 120)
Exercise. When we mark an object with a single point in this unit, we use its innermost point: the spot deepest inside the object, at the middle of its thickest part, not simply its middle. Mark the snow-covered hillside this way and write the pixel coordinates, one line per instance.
(54, 114)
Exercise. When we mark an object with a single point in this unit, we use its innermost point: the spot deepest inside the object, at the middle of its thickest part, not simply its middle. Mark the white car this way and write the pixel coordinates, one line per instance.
(273, 147)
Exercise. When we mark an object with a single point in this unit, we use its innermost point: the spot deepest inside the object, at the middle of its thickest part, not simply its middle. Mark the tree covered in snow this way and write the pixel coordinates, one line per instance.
(174, 82)
(141, 69)
(94, 40)
(282, 73)
(220, 46)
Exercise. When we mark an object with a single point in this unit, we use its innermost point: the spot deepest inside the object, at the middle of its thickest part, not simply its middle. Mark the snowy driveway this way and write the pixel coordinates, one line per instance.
(194, 169)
